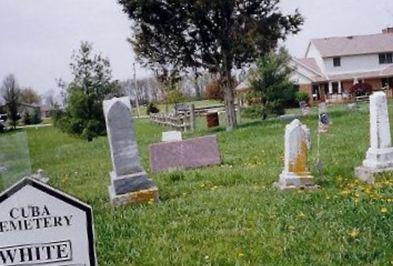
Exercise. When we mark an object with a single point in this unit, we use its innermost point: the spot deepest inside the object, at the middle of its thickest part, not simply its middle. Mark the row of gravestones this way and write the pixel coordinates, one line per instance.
(41, 225)
(379, 157)
(131, 185)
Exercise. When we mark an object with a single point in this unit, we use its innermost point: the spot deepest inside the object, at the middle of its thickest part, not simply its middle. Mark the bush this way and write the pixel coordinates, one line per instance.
(361, 89)
(253, 112)
(36, 117)
(174, 96)
(276, 107)
(2, 127)
(26, 118)
(56, 115)
(214, 91)
(152, 109)
(301, 96)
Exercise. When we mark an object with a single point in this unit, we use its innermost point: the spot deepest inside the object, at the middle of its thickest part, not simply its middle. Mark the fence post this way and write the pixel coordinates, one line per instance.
(238, 111)
(192, 118)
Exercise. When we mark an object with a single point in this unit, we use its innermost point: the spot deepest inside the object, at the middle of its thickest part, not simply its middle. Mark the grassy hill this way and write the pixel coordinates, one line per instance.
(231, 214)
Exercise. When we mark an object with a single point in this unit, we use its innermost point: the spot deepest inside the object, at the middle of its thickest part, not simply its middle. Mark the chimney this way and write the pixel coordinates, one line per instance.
(388, 30)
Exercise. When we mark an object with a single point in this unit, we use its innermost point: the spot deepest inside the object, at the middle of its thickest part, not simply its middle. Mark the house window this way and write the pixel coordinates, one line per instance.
(386, 58)
(337, 62)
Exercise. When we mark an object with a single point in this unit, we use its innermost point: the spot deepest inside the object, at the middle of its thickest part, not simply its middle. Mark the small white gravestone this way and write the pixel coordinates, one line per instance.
(379, 157)
(43, 226)
(297, 144)
(169, 136)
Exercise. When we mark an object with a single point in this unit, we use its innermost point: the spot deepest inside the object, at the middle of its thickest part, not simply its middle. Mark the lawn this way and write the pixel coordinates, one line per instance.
(230, 214)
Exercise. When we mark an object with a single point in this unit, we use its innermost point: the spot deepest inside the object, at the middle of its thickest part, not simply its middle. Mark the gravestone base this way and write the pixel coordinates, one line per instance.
(291, 181)
(137, 197)
(367, 174)
(132, 189)
(379, 159)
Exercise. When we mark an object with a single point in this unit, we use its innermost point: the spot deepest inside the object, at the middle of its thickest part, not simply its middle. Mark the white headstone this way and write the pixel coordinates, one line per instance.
(297, 143)
(129, 182)
(169, 136)
(43, 226)
(379, 157)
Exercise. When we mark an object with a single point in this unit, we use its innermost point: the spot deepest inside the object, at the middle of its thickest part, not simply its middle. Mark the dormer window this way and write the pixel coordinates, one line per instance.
(386, 58)
(337, 61)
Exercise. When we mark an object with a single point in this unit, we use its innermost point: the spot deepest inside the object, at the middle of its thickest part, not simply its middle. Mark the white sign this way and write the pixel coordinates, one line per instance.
(43, 226)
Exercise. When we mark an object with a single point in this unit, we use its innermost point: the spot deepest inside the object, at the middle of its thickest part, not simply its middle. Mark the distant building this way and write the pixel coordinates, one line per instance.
(331, 66)
(31, 109)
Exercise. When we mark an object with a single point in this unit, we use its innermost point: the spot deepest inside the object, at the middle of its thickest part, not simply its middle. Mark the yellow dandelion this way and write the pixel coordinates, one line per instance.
(353, 233)
(240, 255)
(213, 188)
(202, 185)
(301, 215)
(384, 210)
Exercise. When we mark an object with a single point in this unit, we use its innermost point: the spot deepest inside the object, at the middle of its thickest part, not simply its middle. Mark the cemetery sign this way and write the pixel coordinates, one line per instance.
(42, 226)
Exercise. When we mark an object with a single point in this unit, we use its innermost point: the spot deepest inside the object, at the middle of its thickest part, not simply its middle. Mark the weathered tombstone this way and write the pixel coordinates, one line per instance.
(297, 143)
(168, 136)
(129, 182)
(304, 108)
(40, 225)
(191, 153)
(324, 121)
(379, 157)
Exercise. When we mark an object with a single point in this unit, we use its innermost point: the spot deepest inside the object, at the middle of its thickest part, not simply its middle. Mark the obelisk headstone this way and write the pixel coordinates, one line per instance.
(129, 182)
(297, 143)
(379, 157)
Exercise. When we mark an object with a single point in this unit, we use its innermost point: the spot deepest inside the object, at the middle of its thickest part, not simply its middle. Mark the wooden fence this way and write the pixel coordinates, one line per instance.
(181, 121)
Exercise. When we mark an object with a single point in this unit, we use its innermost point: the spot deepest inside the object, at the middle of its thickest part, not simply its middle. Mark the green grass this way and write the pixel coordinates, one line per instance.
(230, 214)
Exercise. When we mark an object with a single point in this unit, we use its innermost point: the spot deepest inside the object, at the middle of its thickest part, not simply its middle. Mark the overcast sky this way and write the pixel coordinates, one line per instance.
(37, 37)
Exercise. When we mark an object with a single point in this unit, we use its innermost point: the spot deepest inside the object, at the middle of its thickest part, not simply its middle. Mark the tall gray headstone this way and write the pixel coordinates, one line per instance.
(129, 182)
(379, 157)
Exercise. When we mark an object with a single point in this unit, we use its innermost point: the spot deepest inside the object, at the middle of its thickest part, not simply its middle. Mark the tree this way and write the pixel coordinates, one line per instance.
(217, 35)
(92, 83)
(270, 81)
(30, 96)
(12, 96)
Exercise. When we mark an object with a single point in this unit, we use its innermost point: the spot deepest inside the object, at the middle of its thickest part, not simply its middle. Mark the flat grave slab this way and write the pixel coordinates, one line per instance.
(186, 154)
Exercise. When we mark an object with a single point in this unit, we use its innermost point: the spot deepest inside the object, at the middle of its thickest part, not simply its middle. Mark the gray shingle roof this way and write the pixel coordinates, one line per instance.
(354, 45)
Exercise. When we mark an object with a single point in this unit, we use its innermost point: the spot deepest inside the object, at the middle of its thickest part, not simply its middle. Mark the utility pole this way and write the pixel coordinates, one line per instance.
(136, 91)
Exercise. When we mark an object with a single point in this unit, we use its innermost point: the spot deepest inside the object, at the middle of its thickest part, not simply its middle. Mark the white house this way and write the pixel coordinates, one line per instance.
(332, 65)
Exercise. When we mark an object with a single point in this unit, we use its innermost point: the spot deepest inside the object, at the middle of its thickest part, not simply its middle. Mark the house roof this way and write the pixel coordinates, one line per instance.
(243, 86)
(309, 63)
(387, 72)
(354, 45)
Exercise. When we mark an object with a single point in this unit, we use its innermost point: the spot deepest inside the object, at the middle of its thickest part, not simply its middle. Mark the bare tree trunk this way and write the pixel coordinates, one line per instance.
(229, 100)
